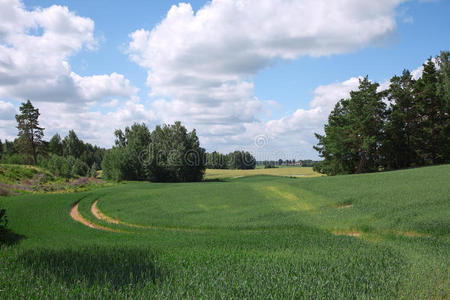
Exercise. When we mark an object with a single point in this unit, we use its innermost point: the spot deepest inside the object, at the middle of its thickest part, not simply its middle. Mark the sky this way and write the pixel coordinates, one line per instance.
(253, 75)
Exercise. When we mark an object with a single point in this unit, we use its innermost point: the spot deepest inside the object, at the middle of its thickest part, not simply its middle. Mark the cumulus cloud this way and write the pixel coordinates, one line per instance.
(200, 64)
(34, 50)
(35, 47)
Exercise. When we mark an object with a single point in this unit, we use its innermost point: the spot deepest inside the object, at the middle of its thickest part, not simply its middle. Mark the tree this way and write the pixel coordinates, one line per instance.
(443, 90)
(55, 146)
(72, 145)
(216, 160)
(402, 124)
(30, 134)
(113, 164)
(93, 170)
(241, 160)
(429, 106)
(169, 153)
(353, 135)
(174, 154)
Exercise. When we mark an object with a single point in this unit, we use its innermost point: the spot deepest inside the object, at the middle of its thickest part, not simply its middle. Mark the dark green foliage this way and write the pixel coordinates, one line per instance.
(124, 162)
(30, 134)
(169, 153)
(73, 146)
(113, 164)
(241, 160)
(59, 166)
(402, 125)
(354, 132)
(55, 145)
(79, 168)
(3, 224)
(362, 135)
(3, 220)
(67, 166)
(174, 154)
(216, 160)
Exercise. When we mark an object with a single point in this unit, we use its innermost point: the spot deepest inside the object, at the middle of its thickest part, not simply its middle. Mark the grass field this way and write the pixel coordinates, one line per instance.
(284, 171)
(383, 235)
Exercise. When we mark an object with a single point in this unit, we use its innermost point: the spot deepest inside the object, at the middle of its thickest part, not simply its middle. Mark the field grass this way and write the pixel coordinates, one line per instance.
(383, 235)
(283, 171)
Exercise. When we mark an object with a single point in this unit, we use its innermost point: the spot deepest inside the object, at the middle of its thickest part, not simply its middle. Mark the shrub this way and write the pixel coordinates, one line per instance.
(79, 168)
(3, 220)
(58, 165)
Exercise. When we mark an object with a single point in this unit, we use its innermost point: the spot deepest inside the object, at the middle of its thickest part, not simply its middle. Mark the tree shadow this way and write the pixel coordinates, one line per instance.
(110, 267)
(9, 238)
(215, 180)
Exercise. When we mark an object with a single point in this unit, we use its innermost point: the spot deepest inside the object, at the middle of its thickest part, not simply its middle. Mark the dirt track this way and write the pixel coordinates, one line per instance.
(75, 214)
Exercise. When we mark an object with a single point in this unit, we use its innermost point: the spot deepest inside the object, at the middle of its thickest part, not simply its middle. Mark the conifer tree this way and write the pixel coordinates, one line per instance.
(30, 134)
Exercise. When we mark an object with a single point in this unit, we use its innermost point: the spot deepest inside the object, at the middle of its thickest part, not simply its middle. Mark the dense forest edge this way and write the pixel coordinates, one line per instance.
(406, 125)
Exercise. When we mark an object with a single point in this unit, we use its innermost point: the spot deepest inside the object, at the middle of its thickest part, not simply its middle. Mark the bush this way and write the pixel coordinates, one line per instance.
(15, 159)
(79, 168)
(93, 170)
(3, 220)
(59, 166)
(270, 166)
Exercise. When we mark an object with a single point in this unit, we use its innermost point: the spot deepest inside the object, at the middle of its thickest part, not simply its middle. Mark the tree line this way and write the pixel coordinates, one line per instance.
(241, 160)
(168, 153)
(407, 125)
(66, 157)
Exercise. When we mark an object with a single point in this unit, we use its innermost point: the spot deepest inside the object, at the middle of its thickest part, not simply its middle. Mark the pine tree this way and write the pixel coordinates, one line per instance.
(30, 134)
(443, 62)
(72, 145)
(354, 132)
(401, 128)
(431, 107)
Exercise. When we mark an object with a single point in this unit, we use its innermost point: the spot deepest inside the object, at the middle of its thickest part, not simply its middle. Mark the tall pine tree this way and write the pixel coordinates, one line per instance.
(354, 132)
(401, 126)
(30, 134)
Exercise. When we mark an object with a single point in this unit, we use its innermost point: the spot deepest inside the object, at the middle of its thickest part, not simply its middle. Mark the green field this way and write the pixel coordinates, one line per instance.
(283, 171)
(381, 235)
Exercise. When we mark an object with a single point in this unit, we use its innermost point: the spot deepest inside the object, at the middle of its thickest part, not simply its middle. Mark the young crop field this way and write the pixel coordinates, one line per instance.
(381, 235)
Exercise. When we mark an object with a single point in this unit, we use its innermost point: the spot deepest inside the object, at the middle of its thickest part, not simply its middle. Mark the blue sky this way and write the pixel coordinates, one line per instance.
(233, 86)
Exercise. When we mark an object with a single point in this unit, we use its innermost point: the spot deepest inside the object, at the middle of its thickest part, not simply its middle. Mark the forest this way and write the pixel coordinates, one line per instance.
(406, 125)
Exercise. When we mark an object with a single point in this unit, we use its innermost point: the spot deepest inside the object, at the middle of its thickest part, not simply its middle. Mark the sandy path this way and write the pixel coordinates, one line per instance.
(99, 215)
(75, 214)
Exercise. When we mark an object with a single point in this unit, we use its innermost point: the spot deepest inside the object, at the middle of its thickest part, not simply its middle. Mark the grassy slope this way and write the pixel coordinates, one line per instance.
(288, 252)
(21, 179)
(18, 173)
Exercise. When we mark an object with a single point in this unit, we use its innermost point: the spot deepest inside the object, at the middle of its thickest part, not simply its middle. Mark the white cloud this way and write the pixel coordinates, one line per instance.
(34, 50)
(112, 103)
(201, 64)
(35, 47)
